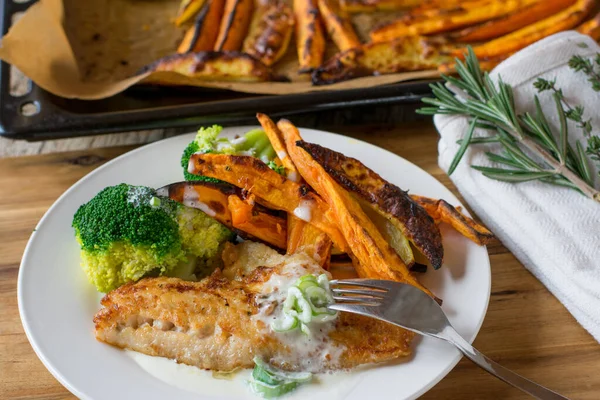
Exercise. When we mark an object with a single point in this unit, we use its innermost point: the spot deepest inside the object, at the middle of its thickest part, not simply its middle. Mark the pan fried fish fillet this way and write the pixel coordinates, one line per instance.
(223, 321)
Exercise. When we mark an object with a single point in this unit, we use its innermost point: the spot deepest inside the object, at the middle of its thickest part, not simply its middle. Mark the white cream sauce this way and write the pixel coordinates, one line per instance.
(238, 140)
(190, 199)
(282, 154)
(304, 210)
(293, 176)
(330, 386)
(315, 352)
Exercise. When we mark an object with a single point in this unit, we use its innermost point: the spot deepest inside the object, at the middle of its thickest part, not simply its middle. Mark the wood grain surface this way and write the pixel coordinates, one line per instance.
(526, 328)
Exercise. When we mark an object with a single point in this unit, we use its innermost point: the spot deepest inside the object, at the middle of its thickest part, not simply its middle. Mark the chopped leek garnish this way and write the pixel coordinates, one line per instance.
(307, 301)
(271, 382)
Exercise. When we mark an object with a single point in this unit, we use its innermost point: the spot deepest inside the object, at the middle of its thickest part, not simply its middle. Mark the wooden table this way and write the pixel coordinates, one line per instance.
(526, 328)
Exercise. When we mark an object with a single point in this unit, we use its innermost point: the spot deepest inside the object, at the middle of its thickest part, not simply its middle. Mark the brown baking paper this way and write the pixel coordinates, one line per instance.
(93, 49)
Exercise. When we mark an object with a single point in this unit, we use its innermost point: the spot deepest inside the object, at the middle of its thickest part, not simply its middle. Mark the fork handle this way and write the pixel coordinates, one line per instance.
(504, 374)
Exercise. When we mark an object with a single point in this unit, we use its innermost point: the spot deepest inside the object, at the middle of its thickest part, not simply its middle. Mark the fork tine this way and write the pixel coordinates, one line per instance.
(367, 283)
(351, 308)
(355, 299)
(373, 293)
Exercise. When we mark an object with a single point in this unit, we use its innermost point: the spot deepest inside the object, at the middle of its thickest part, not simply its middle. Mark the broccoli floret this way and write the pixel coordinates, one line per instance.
(127, 233)
(254, 143)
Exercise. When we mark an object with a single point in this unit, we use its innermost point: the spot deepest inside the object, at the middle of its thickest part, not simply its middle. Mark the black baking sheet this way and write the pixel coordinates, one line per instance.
(151, 107)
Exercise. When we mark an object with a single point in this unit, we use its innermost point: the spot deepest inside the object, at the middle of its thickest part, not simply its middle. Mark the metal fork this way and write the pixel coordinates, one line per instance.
(410, 308)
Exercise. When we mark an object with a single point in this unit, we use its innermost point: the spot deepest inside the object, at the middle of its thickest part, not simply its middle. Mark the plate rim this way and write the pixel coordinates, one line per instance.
(65, 382)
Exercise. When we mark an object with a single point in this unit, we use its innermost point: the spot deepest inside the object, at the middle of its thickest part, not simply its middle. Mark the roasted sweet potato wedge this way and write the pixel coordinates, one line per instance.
(187, 10)
(387, 199)
(446, 19)
(248, 218)
(256, 177)
(442, 211)
(407, 54)
(356, 6)
(310, 38)
(203, 34)
(234, 25)
(304, 237)
(390, 232)
(338, 25)
(564, 20)
(511, 22)
(591, 28)
(214, 66)
(376, 259)
(219, 201)
(270, 32)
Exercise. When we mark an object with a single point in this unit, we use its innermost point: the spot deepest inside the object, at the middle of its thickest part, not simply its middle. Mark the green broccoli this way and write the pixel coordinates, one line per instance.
(127, 233)
(254, 143)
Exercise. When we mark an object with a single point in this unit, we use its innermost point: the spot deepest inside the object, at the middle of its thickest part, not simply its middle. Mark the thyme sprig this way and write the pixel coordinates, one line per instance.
(580, 63)
(530, 148)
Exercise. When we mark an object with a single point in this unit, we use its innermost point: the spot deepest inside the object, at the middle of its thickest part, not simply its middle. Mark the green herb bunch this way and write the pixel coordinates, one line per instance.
(530, 149)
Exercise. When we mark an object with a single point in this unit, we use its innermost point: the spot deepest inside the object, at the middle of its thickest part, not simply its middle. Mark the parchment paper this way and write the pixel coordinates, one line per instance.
(92, 49)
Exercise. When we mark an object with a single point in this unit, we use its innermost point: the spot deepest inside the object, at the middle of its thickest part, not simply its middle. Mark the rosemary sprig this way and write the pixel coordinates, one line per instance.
(574, 114)
(491, 106)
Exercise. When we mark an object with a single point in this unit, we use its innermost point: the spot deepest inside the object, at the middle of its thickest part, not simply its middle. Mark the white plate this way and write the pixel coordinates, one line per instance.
(57, 303)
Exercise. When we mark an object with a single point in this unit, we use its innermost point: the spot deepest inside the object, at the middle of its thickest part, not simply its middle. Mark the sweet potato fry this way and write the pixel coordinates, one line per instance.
(214, 66)
(510, 23)
(445, 20)
(247, 218)
(234, 25)
(407, 54)
(442, 211)
(564, 20)
(387, 199)
(375, 256)
(276, 139)
(257, 178)
(187, 10)
(591, 28)
(338, 25)
(203, 34)
(310, 39)
(355, 6)
(485, 64)
(304, 237)
(425, 6)
(222, 202)
(270, 32)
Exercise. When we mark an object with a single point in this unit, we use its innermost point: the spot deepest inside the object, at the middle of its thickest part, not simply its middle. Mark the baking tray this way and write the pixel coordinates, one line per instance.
(39, 115)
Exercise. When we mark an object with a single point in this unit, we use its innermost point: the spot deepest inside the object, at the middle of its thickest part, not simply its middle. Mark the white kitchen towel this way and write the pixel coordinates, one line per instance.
(553, 231)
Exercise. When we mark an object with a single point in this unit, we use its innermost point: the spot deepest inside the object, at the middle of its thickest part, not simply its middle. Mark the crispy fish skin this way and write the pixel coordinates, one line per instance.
(270, 33)
(210, 325)
(386, 198)
(214, 66)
